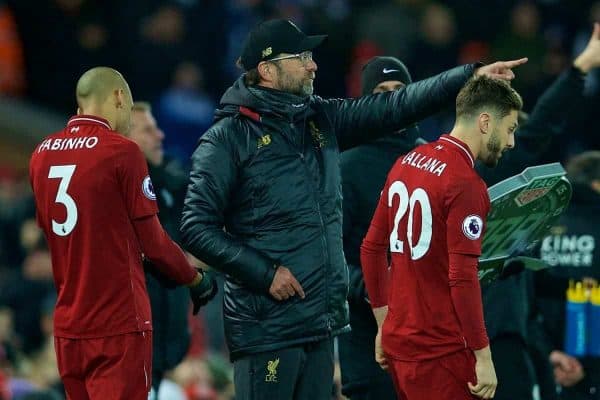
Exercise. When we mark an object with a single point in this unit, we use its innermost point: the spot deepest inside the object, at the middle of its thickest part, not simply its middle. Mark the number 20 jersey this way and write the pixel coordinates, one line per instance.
(89, 183)
(433, 203)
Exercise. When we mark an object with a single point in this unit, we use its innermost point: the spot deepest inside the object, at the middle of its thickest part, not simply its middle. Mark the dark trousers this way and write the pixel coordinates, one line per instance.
(381, 388)
(513, 368)
(303, 372)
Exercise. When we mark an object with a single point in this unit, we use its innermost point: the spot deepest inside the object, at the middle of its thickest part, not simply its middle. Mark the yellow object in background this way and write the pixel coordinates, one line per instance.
(595, 295)
(576, 293)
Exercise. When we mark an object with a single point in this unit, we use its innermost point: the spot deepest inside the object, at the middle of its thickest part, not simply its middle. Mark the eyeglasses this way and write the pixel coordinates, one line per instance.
(304, 57)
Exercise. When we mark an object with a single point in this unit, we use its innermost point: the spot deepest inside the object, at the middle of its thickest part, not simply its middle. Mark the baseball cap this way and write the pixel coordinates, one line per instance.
(273, 37)
(381, 69)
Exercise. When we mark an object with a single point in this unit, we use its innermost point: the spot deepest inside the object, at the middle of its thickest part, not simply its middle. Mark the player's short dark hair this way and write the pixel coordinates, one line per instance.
(487, 94)
(584, 167)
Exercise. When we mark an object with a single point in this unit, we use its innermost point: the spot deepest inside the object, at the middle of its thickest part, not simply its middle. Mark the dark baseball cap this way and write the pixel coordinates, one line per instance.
(273, 37)
(381, 69)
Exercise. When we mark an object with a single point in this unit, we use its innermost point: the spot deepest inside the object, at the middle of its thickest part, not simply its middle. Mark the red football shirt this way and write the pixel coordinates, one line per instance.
(433, 204)
(89, 183)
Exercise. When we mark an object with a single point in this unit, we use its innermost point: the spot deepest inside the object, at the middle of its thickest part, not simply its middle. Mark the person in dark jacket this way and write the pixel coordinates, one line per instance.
(571, 248)
(364, 169)
(264, 205)
(170, 306)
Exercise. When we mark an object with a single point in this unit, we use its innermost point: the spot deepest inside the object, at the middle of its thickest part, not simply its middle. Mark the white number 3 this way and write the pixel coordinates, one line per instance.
(65, 173)
(419, 195)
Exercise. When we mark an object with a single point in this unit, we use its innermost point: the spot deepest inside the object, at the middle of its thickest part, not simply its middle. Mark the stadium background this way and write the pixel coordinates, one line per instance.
(180, 56)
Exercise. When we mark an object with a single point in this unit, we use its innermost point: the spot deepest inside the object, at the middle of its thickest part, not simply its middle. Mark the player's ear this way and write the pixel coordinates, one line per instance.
(484, 122)
(119, 98)
(265, 71)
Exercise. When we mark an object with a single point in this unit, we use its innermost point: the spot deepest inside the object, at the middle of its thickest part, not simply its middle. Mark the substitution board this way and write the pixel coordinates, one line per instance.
(523, 209)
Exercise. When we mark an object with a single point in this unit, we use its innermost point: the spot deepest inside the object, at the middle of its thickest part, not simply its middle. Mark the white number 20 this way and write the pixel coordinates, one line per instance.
(65, 173)
(407, 202)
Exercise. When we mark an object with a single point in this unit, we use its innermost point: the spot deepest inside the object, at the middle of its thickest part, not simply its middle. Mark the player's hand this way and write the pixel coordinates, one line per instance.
(379, 354)
(204, 291)
(567, 369)
(486, 375)
(590, 56)
(500, 69)
(285, 285)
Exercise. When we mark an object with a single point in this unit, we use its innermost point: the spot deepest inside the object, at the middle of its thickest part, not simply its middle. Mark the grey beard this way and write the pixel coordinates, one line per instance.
(307, 89)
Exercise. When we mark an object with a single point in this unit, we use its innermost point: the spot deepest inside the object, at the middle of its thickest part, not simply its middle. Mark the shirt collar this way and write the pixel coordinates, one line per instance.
(88, 120)
(462, 147)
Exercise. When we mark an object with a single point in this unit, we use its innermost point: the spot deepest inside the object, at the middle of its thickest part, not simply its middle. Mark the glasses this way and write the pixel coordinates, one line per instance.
(305, 57)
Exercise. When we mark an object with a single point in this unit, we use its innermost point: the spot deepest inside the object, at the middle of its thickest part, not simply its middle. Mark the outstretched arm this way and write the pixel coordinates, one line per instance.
(547, 120)
(500, 69)
(387, 112)
(552, 109)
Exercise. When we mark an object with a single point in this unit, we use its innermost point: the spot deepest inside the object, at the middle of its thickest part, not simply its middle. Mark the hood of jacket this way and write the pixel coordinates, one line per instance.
(259, 101)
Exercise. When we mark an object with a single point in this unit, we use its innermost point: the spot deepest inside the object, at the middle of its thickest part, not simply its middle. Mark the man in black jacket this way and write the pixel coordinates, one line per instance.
(170, 306)
(268, 172)
(364, 169)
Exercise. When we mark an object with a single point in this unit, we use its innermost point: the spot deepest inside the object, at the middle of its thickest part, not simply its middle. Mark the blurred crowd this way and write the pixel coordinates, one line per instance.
(179, 55)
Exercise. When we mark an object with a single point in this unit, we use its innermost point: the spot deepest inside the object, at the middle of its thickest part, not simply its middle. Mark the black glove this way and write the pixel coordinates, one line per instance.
(203, 292)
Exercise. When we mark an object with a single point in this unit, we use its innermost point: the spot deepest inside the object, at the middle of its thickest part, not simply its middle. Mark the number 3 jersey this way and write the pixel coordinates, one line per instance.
(433, 204)
(89, 183)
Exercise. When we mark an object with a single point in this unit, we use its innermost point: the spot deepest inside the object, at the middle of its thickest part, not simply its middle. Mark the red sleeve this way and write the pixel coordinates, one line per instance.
(374, 255)
(38, 219)
(468, 206)
(162, 252)
(466, 298)
(135, 183)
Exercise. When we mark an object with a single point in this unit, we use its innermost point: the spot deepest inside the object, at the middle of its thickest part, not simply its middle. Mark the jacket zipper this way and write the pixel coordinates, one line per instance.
(323, 230)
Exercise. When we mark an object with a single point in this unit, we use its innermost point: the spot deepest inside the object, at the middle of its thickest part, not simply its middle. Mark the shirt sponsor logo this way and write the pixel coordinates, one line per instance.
(472, 227)
(148, 188)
